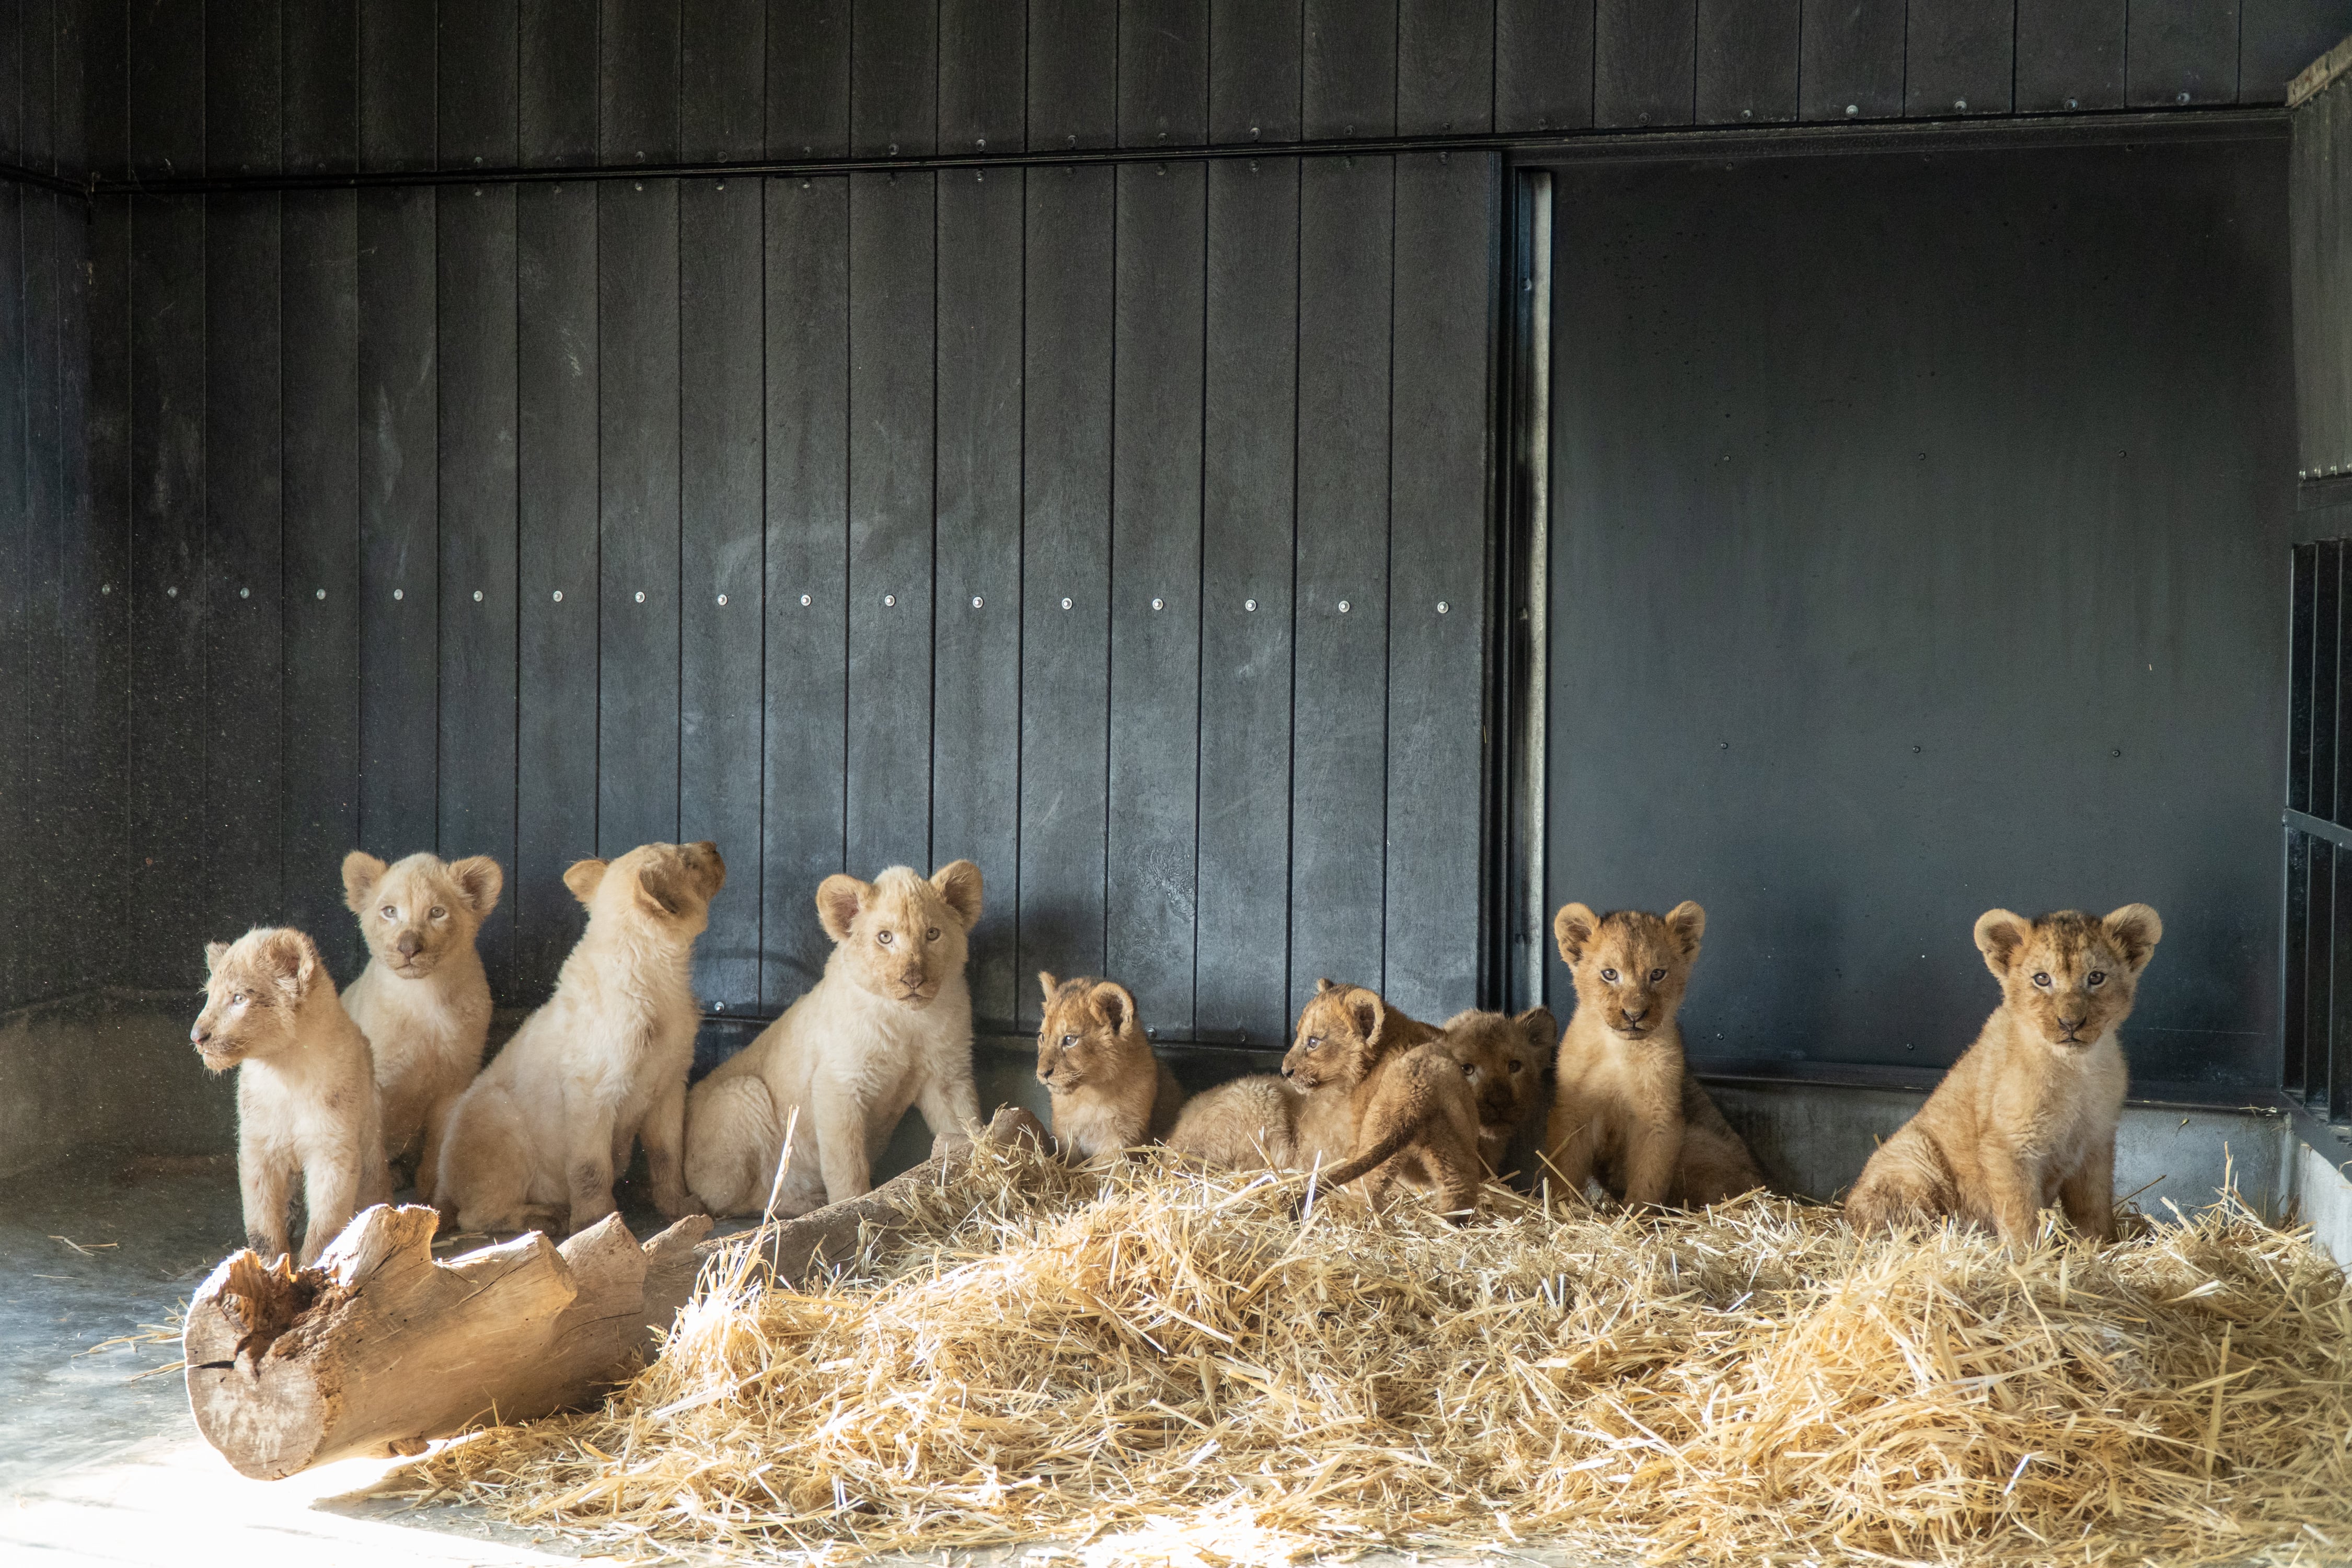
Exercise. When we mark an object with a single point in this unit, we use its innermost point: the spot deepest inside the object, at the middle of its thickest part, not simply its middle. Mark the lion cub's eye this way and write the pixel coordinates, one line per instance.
(1068, 1040)
(439, 913)
(237, 998)
(1313, 1041)
(932, 934)
(1657, 974)
(1609, 976)
(2042, 980)
(883, 937)
(2097, 977)
(389, 913)
(1516, 1067)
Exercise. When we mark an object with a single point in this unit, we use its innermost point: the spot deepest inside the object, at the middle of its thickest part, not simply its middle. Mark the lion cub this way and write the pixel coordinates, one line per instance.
(423, 1000)
(2028, 1113)
(888, 1026)
(1246, 1124)
(1415, 1117)
(1109, 1092)
(306, 1102)
(602, 1063)
(1503, 1058)
(1626, 1106)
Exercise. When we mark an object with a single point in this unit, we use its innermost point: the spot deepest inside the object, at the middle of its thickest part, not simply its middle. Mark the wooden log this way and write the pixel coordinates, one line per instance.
(797, 1249)
(380, 1347)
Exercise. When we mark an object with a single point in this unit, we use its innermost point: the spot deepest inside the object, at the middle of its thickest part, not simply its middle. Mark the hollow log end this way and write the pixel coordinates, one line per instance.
(1017, 1124)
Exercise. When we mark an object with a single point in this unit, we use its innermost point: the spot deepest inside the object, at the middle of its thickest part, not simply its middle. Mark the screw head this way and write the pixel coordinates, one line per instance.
(1854, 109)
(1249, 603)
(889, 601)
(1443, 607)
(2115, 751)
(975, 601)
(1746, 114)
(559, 595)
(1159, 604)
(894, 149)
(983, 143)
(1065, 604)
(477, 596)
(804, 599)
(2181, 97)
(2071, 104)
(322, 593)
(247, 593)
(396, 593)
(641, 595)
(108, 588)
(1723, 745)
(1343, 606)
(723, 599)
(174, 592)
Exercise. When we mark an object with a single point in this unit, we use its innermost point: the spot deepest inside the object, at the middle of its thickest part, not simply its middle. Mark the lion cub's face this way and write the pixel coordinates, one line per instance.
(901, 935)
(662, 889)
(1089, 1035)
(1503, 1057)
(254, 994)
(1339, 1037)
(417, 910)
(1630, 967)
(2069, 976)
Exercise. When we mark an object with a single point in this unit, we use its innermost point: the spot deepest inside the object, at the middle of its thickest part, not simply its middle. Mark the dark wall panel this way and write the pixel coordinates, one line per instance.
(1746, 61)
(1645, 53)
(1543, 66)
(319, 118)
(1348, 76)
(1155, 577)
(1959, 57)
(243, 117)
(1065, 575)
(2070, 55)
(893, 78)
(2276, 38)
(1253, 71)
(398, 89)
(1163, 72)
(1445, 67)
(2180, 52)
(983, 78)
(1850, 60)
(976, 618)
(1073, 99)
(808, 77)
(478, 82)
(722, 78)
(1848, 757)
(1339, 698)
(558, 82)
(638, 100)
(19, 971)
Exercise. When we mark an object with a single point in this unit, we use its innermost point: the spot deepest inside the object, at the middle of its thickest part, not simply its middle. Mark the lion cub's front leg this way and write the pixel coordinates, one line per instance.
(664, 1136)
(588, 1170)
(1654, 1147)
(2088, 1194)
(264, 1183)
(842, 1158)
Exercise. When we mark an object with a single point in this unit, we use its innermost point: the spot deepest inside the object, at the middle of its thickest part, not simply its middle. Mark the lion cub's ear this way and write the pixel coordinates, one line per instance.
(362, 872)
(1115, 1003)
(1687, 922)
(1368, 1013)
(838, 898)
(1048, 985)
(213, 952)
(958, 882)
(1540, 1026)
(584, 878)
(1326, 984)
(659, 892)
(2001, 935)
(293, 960)
(477, 877)
(2134, 930)
(710, 868)
(1573, 928)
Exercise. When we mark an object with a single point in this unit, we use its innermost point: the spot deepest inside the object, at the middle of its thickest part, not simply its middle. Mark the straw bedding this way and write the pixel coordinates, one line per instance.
(1152, 1365)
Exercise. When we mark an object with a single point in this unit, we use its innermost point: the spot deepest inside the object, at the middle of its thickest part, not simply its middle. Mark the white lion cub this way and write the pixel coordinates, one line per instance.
(423, 999)
(306, 1101)
(542, 1133)
(889, 1025)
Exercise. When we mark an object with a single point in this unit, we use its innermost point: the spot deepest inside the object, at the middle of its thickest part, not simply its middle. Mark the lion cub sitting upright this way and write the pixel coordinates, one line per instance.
(553, 1119)
(888, 1026)
(306, 1103)
(2027, 1116)
(1109, 1092)
(423, 1000)
(1626, 1106)
(1503, 1058)
(1415, 1118)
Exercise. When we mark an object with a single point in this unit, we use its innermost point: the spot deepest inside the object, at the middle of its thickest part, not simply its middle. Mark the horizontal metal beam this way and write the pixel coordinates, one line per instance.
(2121, 127)
(2316, 826)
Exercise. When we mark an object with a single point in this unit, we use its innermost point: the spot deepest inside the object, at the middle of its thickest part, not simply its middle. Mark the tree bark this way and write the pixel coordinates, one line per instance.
(381, 1348)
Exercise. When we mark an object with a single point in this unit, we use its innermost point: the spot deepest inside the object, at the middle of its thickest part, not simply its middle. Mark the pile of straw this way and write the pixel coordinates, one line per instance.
(1150, 1365)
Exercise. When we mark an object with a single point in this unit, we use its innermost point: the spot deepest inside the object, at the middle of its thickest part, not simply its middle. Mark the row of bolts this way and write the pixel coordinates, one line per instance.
(889, 601)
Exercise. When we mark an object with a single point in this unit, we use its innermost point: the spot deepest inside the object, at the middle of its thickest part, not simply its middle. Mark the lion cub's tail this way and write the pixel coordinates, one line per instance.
(1347, 1171)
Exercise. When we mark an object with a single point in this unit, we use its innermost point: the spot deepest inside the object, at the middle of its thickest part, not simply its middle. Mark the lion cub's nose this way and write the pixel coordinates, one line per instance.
(407, 945)
(1634, 1015)
(199, 1035)
(2070, 1025)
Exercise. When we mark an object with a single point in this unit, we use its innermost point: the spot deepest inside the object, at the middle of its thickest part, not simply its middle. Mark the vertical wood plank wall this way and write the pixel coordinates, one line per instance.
(932, 405)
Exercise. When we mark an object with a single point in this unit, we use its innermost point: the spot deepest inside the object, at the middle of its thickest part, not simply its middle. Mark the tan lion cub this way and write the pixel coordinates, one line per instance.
(1503, 1058)
(1247, 1123)
(1109, 1092)
(423, 999)
(2027, 1116)
(553, 1119)
(888, 1026)
(1416, 1120)
(306, 1102)
(1626, 1106)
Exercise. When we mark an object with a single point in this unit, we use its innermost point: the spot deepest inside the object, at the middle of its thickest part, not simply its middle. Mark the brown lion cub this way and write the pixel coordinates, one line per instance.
(1503, 1058)
(1626, 1106)
(1109, 1092)
(1415, 1118)
(306, 1102)
(2028, 1113)
(1248, 1124)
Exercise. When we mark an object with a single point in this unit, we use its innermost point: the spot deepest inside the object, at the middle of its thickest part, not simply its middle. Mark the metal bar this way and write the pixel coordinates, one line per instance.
(2318, 828)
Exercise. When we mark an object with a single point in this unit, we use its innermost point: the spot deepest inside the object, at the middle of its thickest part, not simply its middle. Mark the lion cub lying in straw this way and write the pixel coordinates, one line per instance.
(889, 1025)
(1415, 1118)
(306, 1102)
(1109, 1092)
(1626, 1106)
(2027, 1116)
(551, 1121)
(423, 1000)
